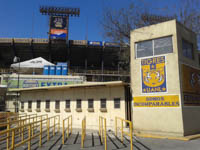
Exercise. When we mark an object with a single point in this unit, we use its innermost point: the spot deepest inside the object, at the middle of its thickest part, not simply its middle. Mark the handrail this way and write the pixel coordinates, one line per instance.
(83, 134)
(130, 133)
(9, 121)
(5, 115)
(68, 126)
(31, 135)
(16, 118)
(21, 128)
(102, 129)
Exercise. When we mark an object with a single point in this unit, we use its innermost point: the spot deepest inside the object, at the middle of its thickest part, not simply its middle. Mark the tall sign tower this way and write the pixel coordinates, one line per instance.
(59, 21)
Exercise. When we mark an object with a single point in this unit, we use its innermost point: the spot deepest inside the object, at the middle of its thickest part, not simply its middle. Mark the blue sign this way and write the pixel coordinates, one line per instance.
(153, 75)
(95, 43)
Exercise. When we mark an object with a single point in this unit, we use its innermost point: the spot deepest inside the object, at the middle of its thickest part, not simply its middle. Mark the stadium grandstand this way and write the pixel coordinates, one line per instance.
(98, 61)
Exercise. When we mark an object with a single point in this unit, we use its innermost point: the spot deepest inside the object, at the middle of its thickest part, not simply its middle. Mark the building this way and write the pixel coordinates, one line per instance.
(97, 60)
(107, 99)
(12, 81)
(165, 80)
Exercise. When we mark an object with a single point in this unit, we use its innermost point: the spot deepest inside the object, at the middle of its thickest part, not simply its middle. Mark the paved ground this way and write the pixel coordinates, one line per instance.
(93, 142)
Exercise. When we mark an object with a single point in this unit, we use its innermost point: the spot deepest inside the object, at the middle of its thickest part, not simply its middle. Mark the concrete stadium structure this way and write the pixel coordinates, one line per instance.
(165, 80)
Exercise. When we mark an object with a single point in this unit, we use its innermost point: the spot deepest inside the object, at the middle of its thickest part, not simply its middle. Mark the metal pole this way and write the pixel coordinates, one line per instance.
(8, 134)
(40, 144)
(105, 140)
(13, 140)
(115, 126)
(131, 135)
(29, 135)
(68, 128)
(63, 133)
(122, 131)
(18, 86)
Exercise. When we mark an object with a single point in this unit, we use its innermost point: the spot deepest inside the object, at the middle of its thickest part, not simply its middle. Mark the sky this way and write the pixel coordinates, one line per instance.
(22, 19)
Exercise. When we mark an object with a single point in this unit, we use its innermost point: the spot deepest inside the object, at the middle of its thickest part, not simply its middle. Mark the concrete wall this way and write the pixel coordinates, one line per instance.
(191, 119)
(157, 120)
(73, 94)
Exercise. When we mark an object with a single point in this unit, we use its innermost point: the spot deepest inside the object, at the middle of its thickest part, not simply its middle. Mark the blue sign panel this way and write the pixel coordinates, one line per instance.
(95, 43)
(153, 75)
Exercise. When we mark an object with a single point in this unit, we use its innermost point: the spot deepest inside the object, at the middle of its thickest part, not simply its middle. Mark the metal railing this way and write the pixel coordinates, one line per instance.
(29, 128)
(5, 115)
(130, 133)
(67, 127)
(16, 120)
(102, 130)
(83, 134)
(19, 124)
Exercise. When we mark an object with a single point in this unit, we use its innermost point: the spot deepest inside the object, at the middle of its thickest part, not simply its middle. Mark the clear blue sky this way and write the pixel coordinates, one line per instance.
(22, 19)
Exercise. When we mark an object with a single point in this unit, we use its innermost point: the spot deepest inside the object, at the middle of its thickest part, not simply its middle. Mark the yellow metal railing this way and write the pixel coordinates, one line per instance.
(24, 128)
(102, 130)
(16, 120)
(68, 126)
(83, 132)
(130, 133)
(5, 115)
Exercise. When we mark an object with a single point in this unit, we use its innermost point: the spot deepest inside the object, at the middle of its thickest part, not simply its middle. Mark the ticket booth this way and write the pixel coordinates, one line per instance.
(165, 80)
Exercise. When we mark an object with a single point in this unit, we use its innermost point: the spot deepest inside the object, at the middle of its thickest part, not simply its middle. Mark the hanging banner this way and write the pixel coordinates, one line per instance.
(59, 27)
(153, 75)
(58, 22)
(156, 101)
(191, 86)
(58, 34)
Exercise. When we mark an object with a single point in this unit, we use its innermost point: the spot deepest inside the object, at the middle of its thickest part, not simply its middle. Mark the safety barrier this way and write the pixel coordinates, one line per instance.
(130, 133)
(68, 127)
(83, 132)
(24, 128)
(5, 115)
(16, 119)
(20, 131)
(102, 130)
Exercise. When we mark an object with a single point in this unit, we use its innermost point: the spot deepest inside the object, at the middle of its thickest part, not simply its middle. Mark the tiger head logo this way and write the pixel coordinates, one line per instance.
(154, 77)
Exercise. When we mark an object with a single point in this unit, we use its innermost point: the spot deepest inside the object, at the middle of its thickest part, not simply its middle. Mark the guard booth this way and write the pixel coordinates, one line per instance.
(165, 80)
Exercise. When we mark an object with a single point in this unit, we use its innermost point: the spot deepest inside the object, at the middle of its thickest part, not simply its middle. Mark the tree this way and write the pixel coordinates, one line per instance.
(117, 24)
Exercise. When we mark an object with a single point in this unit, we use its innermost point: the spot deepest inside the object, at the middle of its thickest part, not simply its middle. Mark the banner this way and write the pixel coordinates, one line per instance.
(58, 34)
(59, 27)
(59, 22)
(153, 75)
(156, 101)
(30, 83)
(191, 86)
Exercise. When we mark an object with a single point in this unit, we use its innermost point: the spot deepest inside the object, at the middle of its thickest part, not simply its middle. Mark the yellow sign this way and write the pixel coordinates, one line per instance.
(153, 75)
(156, 101)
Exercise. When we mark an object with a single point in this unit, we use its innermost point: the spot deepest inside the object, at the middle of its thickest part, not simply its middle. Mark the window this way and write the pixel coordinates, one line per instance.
(57, 105)
(22, 105)
(90, 103)
(78, 103)
(154, 47)
(116, 102)
(187, 49)
(29, 104)
(47, 104)
(67, 104)
(38, 104)
(103, 103)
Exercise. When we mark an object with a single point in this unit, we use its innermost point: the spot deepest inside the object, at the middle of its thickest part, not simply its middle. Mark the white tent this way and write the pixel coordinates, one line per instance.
(32, 66)
(33, 63)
